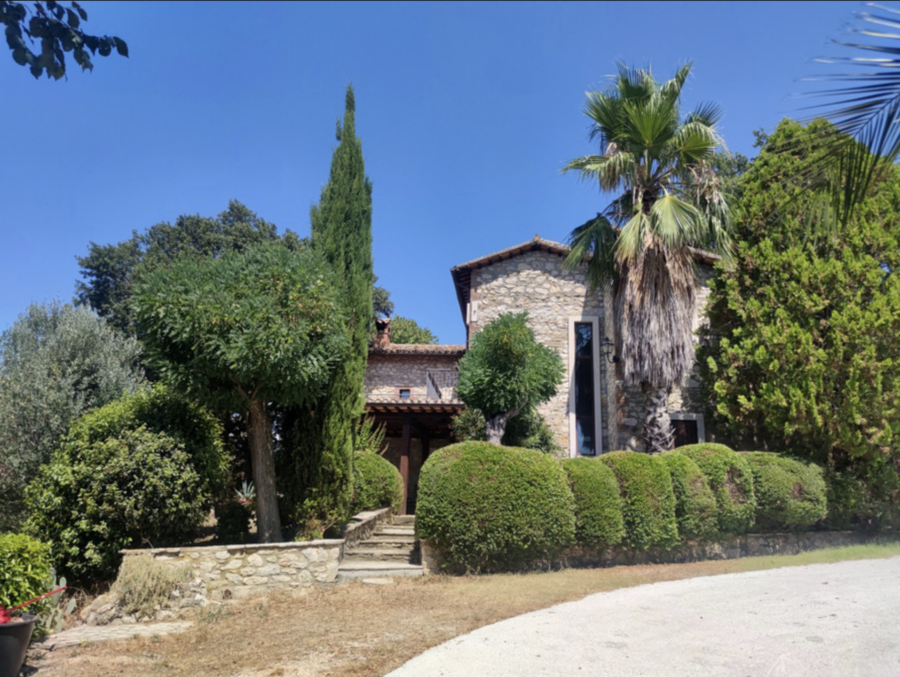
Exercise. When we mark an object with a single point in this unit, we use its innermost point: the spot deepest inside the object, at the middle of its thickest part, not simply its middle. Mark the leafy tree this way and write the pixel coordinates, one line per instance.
(59, 30)
(505, 371)
(381, 301)
(109, 271)
(56, 363)
(808, 357)
(319, 448)
(248, 329)
(405, 330)
(669, 200)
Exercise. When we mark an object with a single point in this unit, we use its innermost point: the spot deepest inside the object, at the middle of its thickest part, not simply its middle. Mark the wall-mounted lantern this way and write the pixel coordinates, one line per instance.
(607, 349)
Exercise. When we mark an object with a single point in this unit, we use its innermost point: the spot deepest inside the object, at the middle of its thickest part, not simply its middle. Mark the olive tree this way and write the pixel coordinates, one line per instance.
(254, 328)
(506, 370)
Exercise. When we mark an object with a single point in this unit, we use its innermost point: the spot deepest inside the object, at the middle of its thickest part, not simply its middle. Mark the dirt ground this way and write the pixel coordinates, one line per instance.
(358, 630)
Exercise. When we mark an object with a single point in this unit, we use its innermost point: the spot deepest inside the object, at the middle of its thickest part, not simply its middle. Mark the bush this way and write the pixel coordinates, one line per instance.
(376, 483)
(144, 584)
(161, 410)
(854, 504)
(233, 521)
(730, 479)
(695, 504)
(24, 570)
(490, 508)
(527, 430)
(132, 489)
(790, 494)
(648, 500)
(598, 506)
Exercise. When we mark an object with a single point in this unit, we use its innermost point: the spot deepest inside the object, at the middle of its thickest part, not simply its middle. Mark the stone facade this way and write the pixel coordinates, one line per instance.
(237, 571)
(536, 281)
(388, 373)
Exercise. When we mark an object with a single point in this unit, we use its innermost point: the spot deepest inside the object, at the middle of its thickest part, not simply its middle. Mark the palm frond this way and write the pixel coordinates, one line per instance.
(708, 114)
(676, 223)
(594, 242)
(632, 237)
(671, 90)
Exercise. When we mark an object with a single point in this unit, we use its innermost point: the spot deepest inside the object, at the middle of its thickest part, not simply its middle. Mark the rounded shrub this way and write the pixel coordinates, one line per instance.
(790, 494)
(695, 504)
(376, 483)
(731, 481)
(598, 506)
(161, 410)
(24, 569)
(491, 508)
(853, 503)
(648, 500)
(133, 489)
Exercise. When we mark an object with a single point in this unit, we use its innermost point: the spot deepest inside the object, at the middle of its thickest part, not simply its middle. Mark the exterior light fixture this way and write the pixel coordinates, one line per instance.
(607, 349)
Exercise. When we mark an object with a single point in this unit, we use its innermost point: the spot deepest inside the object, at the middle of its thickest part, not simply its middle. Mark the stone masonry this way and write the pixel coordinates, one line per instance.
(387, 374)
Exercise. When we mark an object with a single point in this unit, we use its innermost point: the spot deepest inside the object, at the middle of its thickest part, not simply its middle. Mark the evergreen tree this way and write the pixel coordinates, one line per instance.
(808, 357)
(317, 470)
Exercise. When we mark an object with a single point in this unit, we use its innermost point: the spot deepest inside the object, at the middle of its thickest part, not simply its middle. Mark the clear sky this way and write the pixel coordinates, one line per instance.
(467, 112)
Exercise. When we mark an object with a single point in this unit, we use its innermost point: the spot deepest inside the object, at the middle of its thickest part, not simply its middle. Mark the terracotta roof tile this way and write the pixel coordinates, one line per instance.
(418, 349)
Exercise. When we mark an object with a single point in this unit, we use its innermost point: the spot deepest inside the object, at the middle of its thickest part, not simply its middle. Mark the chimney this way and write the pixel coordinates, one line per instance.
(383, 333)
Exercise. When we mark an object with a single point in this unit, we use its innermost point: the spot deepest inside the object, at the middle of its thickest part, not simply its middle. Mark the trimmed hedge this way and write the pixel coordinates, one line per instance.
(24, 570)
(648, 499)
(491, 508)
(731, 480)
(598, 506)
(790, 494)
(376, 483)
(695, 504)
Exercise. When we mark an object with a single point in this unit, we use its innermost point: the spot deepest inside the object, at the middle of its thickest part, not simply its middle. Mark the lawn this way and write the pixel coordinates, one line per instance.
(356, 630)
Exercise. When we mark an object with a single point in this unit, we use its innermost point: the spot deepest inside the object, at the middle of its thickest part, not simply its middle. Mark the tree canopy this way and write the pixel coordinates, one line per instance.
(405, 330)
(56, 363)
(806, 352)
(506, 370)
(59, 30)
(109, 271)
(266, 325)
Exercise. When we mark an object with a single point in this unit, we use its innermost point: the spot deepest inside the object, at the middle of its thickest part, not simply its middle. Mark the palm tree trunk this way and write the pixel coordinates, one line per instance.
(659, 435)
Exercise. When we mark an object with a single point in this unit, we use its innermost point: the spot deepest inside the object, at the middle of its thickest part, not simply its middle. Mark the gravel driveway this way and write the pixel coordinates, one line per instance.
(825, 619)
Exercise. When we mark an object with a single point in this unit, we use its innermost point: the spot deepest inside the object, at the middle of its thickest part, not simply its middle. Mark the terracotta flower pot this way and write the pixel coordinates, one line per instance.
(14, 639)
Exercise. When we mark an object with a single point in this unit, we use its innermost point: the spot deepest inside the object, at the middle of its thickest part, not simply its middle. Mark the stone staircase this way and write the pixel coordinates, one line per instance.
(391, 551)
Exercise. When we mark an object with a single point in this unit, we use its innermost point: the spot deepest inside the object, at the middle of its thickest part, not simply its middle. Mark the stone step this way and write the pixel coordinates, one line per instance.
(381, 554)
(363, 569)
(395, 531)
(404, 519)
(387, 542)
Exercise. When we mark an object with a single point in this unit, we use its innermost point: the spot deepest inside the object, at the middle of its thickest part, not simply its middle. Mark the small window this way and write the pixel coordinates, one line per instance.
(404, 393)
(688, 428)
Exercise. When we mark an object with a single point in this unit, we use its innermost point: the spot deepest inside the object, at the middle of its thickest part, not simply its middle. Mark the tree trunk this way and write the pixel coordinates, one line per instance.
(495, 427)
(659, 435)
(259, 428)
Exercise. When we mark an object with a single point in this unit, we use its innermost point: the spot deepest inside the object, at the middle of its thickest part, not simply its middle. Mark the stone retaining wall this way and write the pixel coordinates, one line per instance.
(731, 547)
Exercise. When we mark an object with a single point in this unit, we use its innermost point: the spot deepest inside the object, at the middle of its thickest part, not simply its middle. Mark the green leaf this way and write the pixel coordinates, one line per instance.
(121, 47)
(73, 18)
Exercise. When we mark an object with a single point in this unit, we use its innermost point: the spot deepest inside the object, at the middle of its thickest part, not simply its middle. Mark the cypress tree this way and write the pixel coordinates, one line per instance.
(317, 479)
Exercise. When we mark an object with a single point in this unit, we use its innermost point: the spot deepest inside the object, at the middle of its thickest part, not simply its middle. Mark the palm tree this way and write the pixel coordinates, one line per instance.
(669, 201)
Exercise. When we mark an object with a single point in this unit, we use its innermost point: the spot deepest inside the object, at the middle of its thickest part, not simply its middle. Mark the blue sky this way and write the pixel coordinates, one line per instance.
(467, 113)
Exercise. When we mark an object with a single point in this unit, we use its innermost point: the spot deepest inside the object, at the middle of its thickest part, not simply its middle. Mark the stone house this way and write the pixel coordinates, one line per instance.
(411, 388)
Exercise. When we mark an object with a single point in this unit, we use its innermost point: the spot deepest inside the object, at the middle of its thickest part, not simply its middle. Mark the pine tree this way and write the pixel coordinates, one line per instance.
(319, 442)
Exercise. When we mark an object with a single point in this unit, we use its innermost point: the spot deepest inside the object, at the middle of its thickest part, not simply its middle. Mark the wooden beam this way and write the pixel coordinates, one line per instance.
(404, 461)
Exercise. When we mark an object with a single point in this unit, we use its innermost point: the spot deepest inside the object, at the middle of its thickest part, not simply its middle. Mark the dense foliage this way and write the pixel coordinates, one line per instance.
(695, 504)
(598, 505)
(527, 429)
(58, 30)
(669, 199)
(490, 508)
(405, 330)
(506, 370)
(648, 500)
(247, 329)
(808, 357)
(317, 464)
(376, 483)
(731, 481)
(56, 362)
(790, 494)
(24, 569)
(134, 488)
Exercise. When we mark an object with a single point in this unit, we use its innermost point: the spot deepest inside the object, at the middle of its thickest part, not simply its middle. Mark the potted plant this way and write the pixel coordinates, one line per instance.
(15, 636)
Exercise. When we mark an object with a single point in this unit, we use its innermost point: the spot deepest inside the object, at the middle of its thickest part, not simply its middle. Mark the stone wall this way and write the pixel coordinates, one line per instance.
(387, 374)
(237, 571)
(536, 282)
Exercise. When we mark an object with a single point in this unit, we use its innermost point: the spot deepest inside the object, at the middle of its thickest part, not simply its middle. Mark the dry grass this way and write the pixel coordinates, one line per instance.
(356, 630)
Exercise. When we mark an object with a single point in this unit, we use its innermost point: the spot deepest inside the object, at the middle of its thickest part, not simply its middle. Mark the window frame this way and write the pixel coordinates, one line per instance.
(594, 321)
(688, 416)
